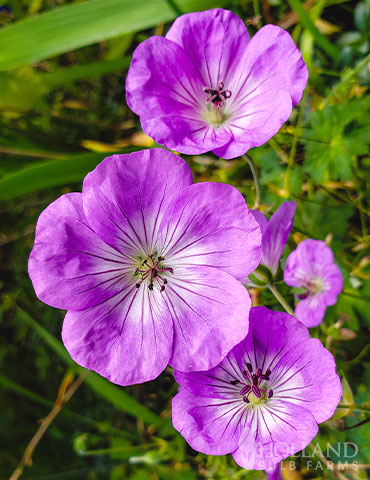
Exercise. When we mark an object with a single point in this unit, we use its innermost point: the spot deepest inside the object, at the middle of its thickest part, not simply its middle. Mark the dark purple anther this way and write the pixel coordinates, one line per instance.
(256, 391)
(268, 372)
(255, 379)
(250, 368)
(245, 390)
(246, 400)
(258, 372)
(150, 286)
(270, 394)
(246, 375)
(234, 382)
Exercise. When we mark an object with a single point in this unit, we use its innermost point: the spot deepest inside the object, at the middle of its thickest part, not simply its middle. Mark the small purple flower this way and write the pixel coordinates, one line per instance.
(275, 234)
(148, 266)
(311, 266)
(206, 86)
(263, 402)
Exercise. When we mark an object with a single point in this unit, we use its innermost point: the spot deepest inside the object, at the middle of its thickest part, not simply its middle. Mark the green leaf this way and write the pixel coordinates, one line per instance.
(306, 21)
(339, 133)
(48, 174)
(83, 23)
(112, 393)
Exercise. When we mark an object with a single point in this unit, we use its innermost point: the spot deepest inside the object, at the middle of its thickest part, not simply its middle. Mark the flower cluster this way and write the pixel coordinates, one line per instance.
(149, 266)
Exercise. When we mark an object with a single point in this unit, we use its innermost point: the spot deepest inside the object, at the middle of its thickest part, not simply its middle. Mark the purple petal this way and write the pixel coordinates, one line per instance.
(306, 376)
(271, 335)
(274, 433)
(125, 197)
(70, 266)
(164, 88)
(210, 311)
(209, 425)
(273, 473)
(307, 261)
(311, 310)
(333, 283)
(215, 40)
(127, 339)
(209, 224)
(276, 234)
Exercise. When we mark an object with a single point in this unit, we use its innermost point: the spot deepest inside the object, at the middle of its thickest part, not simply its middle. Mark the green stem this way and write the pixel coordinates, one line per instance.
(280, 299)
(257, 202)
(354, 407)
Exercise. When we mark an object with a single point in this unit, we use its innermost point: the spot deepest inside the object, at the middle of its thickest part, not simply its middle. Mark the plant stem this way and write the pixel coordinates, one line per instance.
(255, 180)
(354, 407)
(280, 299)
(66, 390)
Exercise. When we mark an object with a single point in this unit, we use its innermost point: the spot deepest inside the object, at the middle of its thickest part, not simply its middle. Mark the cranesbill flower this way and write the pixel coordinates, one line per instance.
(263, 402)
(206, 86)
(147, 265)
(311, 267)
(275, 234)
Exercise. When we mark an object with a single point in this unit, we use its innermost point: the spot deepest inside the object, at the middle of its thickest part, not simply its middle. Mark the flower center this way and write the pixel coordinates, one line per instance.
(216, 100)
(153, 272)
(252, 383)
(316, 285)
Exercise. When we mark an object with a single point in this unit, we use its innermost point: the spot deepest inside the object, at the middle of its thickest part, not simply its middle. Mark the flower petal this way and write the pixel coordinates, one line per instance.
(125, 197)
(70, 266)
(209, 425)
(214, 40)
(209, 224)
(333, 283)
(271, 335)
(165, 89)
(306, 376)
(127, 339)
(307, 261)
(210, 315)
(311, 310)
(274, 432)
(276, 235)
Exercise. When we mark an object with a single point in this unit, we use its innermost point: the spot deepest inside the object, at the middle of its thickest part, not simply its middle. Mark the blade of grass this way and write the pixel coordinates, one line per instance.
(307, 23)
(112, 393)
(73, 26)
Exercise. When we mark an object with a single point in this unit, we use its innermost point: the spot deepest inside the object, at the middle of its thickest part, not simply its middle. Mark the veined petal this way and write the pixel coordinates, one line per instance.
(209, 224)
(70, 266)
(211, 426)
(333, 283)
(272, 334)
(311, 310)
(276, 234)
(165, 89)
(274, 432)
(125, 197)
(127, 339)
(306, 376)
(214, 40)
(210, 311)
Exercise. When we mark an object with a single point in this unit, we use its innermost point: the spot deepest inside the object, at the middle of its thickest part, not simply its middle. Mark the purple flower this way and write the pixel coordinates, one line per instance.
(311, 266)
(275, 234)
(263, 402)
(274, 472)
(148, 266)
(206, 86)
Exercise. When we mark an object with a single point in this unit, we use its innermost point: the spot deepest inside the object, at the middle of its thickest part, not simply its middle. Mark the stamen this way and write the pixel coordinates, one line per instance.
(152, 269)
(270, 394)
(253, 383)
(218, 95)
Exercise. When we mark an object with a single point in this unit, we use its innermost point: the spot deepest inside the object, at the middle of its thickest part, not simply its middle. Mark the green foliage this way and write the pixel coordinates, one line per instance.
(339, 134)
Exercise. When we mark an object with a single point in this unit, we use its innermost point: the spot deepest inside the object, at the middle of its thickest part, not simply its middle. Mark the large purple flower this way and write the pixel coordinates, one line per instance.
(147, 265)
(275, 234)
(311, 267)
(206, 86)
(263, 402)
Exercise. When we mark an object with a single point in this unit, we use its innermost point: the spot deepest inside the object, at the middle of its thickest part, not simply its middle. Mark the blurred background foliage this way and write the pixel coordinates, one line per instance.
(62, 110)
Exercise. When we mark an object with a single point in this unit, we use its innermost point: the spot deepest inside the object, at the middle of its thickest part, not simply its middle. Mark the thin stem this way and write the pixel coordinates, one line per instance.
(367, 420)
(280, 299)
(257, 202)
(66, 390)
(354, 407)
